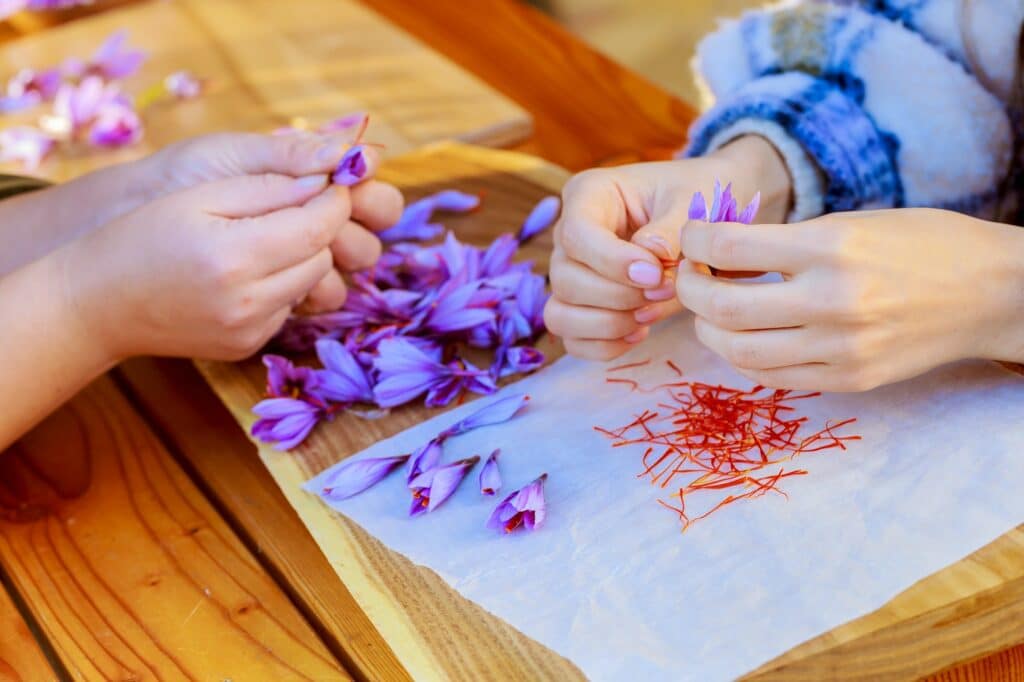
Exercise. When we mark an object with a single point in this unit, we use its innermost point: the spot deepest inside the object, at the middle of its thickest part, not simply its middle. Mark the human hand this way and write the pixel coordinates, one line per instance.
(868, 298)
(618, 228)
(212, 271)
(375, 205)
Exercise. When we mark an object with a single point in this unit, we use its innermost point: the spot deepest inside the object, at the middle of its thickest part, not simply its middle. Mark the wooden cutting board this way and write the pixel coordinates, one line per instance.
(269, 62)
(969, 609)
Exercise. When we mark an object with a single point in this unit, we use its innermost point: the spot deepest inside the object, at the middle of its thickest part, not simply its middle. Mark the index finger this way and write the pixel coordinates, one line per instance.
(593, 212)
(759, 248)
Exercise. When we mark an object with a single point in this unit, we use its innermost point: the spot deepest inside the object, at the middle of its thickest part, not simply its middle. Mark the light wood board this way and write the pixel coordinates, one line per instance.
(125, 566)
(268, 62)
(962, 612)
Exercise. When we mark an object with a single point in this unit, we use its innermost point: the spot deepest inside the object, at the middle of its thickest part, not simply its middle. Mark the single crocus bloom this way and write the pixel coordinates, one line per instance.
(431, 488)
(183, 85)
(490, 477)
(541, 218)
(524, 508)
(424, 458)
(29, 146)
(76, 106)
(357, 475)
(343, 378)
(352, 168)
(29, 87)
(519, 360)
(724, 207)
(113, 60)
(116, 125)
(495, 412)
(285, 380)
(285, 421)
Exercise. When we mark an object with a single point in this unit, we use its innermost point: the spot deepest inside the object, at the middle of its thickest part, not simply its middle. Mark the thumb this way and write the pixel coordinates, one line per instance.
(295, 154)
(250, 196)
(660, 235)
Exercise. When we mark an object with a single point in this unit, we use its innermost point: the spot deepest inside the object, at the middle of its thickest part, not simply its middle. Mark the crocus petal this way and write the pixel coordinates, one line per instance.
(285, 421)
(355, 476)
(728, 206)
(541, 218)
(113, 61)
(183, 85)
(750, 212)
(431, 488)
(116, 125)
(455, 201)
(352, 168)
(495, 412)
(716, 204)
(28, 146)
(444, 392)
(698, 208)
(425, 458)
(490, 476)
(498, 256)
(342, 123)
(343, 379)
(520, 360)
(523, 508)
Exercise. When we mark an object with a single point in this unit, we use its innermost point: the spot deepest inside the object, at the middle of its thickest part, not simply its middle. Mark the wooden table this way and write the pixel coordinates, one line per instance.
(210, 542)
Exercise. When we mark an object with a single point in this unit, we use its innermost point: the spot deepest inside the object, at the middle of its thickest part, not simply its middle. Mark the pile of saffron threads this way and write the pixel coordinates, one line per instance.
(716, 442)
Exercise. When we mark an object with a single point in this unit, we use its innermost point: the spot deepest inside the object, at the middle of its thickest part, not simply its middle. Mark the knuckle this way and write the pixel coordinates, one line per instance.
(722, 247)
(225, 270)
(723, 310)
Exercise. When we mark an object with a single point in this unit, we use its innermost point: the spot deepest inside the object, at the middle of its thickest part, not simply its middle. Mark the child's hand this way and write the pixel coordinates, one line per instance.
(618, 224)
(212, 271)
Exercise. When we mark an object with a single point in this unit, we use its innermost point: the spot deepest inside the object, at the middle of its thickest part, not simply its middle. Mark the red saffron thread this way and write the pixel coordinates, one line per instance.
(718, 442)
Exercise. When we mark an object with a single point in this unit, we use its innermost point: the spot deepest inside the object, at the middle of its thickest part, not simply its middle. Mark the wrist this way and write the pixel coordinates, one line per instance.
(1004, 335)
(757, 166)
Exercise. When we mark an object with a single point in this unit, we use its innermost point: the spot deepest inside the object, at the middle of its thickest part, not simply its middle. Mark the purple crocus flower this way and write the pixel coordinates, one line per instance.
(414, 225)
(343, 378)
(431, 488)
(424, 458)
(496, 412)
(490, 477)
(452, 311)
(724, 208)
(519, 360)
(285, 421)
(405, 372)
(524, 508)
(29, 146)
(183, 85)
(541, 218)
(29, 87)
(76, 106)
(352, 168)
(285, 380)
(116, 125)
(462, 376)
(113, 60)
(357, 475)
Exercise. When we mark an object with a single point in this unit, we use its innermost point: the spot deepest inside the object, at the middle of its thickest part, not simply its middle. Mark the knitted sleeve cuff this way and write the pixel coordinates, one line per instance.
(837, 158)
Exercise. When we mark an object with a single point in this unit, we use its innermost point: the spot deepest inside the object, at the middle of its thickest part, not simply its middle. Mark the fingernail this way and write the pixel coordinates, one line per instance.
(646, 315)
(311, 181)
(331, 151)
(637, 336)
(662, 293)
(645, 274)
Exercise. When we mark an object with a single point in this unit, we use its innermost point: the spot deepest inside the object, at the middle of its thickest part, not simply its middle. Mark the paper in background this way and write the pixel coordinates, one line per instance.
(612, 584)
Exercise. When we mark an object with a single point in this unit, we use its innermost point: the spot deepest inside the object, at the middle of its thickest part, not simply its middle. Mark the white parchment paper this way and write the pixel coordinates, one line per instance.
(612, 584)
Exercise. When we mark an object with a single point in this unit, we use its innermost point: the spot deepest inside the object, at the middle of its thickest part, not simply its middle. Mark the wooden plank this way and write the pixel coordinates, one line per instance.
(588, 109)
(1005, 666)
(21, 657)
(269, 62)
(211, 446)
(410, 605)
(127, 568)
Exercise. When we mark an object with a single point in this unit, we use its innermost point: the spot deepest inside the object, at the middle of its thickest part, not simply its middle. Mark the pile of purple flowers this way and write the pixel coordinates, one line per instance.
(87, 103)
(408, 323)
(431, 482)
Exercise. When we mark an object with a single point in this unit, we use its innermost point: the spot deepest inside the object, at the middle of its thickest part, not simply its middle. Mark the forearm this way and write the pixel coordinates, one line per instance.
(1006, 293)
(49, 354)
(758, 167)
(37, 223)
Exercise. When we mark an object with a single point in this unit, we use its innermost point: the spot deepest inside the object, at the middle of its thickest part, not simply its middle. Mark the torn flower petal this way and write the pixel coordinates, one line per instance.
(431, 488)
(357, 475)
(541, 218)
(352, 168)
(496, 412)
(490, 477)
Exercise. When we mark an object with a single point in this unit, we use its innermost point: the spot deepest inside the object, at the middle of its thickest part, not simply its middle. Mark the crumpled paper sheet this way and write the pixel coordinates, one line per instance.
(612, 584)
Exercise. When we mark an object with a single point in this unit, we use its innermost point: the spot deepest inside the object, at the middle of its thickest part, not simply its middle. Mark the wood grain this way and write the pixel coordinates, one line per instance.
(128, 570)
(21, 658)
(964, 611)
(268, 62)
(211, 446)
(588, 109)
